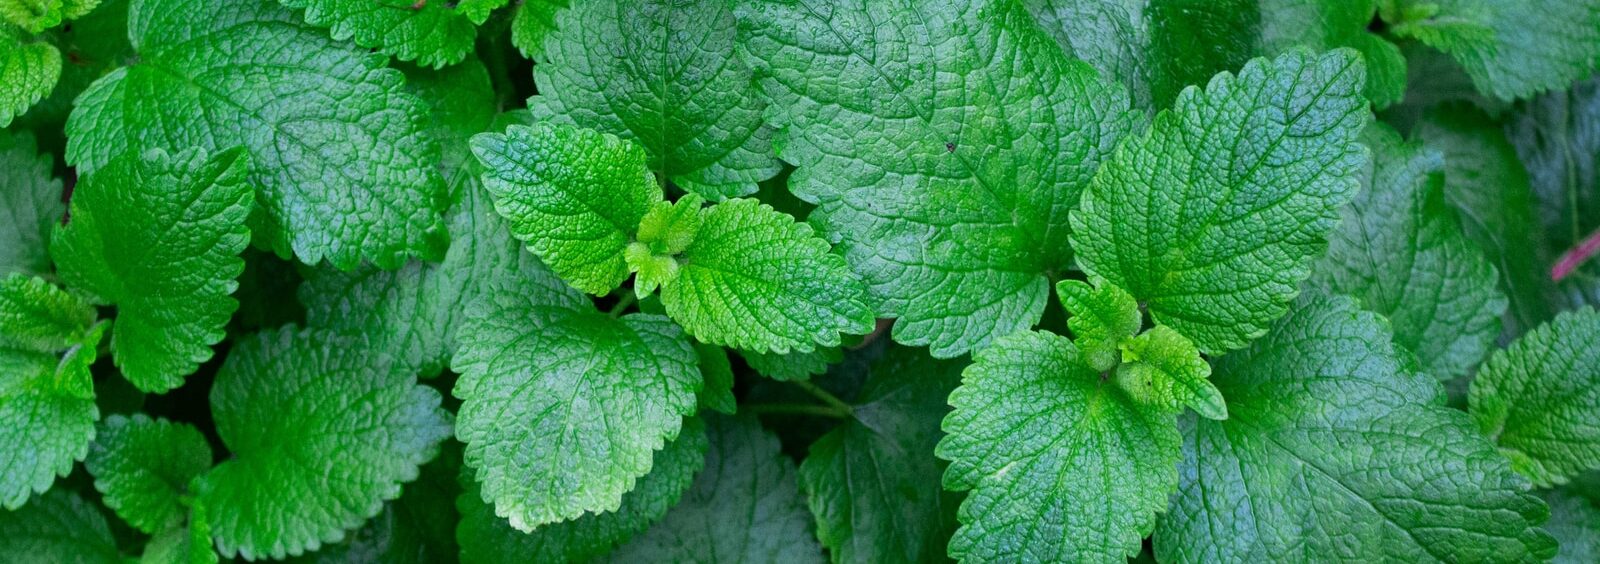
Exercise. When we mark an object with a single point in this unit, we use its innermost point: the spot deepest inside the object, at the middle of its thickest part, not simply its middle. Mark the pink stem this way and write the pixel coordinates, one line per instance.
(1575, 257)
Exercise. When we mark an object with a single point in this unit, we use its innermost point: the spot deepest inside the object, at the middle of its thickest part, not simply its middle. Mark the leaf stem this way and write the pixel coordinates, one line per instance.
(626, 300)
(796, 409)
(816, 391)
(1576, 256)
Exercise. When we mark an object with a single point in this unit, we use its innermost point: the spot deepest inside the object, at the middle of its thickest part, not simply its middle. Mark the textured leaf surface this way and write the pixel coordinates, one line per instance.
(944, 143)
(1511, 49)
(1401, 250)
(794, 365)
(1336, 450)
(431, 33)
(159, 236)
(31, 197)
(143, 468)
(562, 408)
(1102, 316)
(296, 406)
(756, 279)
(1162, 369)
(1212, 219)
(417, 528)
(1061, 464)
(576, 196)
(57, 527)
(533, 22)
(340, 164)
(873, 482)
(29, 70)
(189, 544)
(47, 409)
(1539, 399)
(663, 73)
(743, 507)
(487, 538)
(717, 395)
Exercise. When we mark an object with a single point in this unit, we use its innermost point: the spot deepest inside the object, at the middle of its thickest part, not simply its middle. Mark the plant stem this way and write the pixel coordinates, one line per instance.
(626, 300)
(796, 409)
(1576, 256)
(821, 394)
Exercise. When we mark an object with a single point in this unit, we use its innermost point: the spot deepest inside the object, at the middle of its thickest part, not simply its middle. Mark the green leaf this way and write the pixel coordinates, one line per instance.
(31, 196)
(47, 409)
(159, 236)
(944, 143)
(29, 69)
(434, 34)
(1401, 250)
(1335, 447)
(487, 538)
(717, 395)
(1539, 399)
(1510, 49)
(1061, 464)
(57, 527)
(1213, 218)
(1102, 316)
(90, 47)
(576, 196)
(562, 407)
(342, 168)
(1163, 369)
(1487, 185)
(756, 279)
(794, 365)
(665, 231)
(744, 507)
(187, 544)
(663, 73)
(296, 406)
(144, 466)
(873, 482)
(533, 22)
(1575, 522)
(32, 16)
(417, 528)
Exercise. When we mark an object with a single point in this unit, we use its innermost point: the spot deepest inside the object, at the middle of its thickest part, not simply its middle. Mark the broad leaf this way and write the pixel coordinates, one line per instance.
(29, 69)
(59, 526)
(432, 33)
(533, 22)
(1510, 49)
(1575, 522)
(31, 196)
(417, 528)
(144, 466)
(1539, 399)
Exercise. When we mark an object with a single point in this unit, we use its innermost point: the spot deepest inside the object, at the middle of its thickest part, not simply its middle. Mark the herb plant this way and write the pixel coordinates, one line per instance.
(800, 280)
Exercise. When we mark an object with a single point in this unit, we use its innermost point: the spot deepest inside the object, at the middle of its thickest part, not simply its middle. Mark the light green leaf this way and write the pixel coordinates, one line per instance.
(533, 22)
(31, 197)
(1335, 449)
(29, 69)
(665, 74)
(1102, 316)
(1213, 218)
(31, 16)
(1510, 49)
(1061, 464)
(756, 279)
(1163, 369)
(342, 168)
(417, 528)
(47, 409)
(666, 231)
(159, 236)
(576, 196)
(433, 33)
(296, 406)
(143, 467)
(487, 538)
(187, 544)
(873, 482)
(744, 507)
(1401, 250)
(57, 527)
(1539, 399)
(563, 407)
(944, 143)
(794, 365)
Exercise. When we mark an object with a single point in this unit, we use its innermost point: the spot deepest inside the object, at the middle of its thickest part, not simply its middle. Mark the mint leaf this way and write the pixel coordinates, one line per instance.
(187, 544)
(1510, 49)
(1539, 399)
(717, 395)
(342, 169)
(419, 527)
(487, 538)
(756, 279)
(1575, 522)
(159, 236)
(296, 406)
(1330, 429)
(59, 526)
(1490, 189)
(666, 231)
(794, 365)
(1401, 250)
(562, 407)
(663, 73)
(1163, 369)
(943, 155)
(144, 466)
(872, 482)
(433, 34)
(744, 507)
(576, 196)
(31, 196)
(1061, 464)
(1102, 316)
(1212, 219)
(29, 69)
(47, 409)
(533, 22)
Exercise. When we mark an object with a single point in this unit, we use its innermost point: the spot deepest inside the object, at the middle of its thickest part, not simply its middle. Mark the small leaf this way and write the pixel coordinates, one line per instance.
(1102, 316)
(433, 33)
(29, 70)
(1539, 399)
(144, 466)
(31, 196)
(1162, 368)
